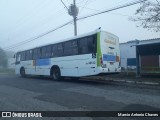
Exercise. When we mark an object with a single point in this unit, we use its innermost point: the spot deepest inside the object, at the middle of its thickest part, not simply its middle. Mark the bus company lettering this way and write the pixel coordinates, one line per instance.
(110, 41)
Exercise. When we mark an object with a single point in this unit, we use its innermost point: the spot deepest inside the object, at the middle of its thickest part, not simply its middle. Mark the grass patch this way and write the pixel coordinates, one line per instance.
(124, 75)
(6, 71)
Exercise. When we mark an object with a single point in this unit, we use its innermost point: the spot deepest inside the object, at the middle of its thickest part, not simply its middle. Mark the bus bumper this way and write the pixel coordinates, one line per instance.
(107, 70)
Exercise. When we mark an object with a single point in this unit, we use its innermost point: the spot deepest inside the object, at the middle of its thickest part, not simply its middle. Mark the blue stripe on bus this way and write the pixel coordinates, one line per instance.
(109, 57)
(43, 62)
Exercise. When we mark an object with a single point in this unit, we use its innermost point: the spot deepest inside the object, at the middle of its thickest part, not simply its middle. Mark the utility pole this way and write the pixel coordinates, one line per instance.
(75, 17)
(73, 11)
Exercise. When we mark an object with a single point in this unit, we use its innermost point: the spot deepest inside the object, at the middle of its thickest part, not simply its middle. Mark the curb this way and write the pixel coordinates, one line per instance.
(135, 82)
(102, 79)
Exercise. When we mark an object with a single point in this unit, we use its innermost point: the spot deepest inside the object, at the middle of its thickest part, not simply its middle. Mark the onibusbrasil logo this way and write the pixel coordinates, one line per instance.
(21, 114)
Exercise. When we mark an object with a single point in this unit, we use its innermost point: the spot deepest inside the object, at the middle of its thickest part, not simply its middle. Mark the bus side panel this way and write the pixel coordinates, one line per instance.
(28, 66)
(43, 66)
(76, 66)
(68, 65)
(87, 65)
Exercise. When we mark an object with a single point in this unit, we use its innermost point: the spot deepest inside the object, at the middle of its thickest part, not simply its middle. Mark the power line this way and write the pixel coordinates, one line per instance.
(27, 19)
(81, 18)
(112, 9)
(89, 1)
(36, 37)
(32, 14)
(23, 18)
(110, 13)
(85, 4)
(57, 15)
(64, 5)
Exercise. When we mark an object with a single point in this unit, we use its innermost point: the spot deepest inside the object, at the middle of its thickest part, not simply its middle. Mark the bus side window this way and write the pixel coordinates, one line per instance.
(29, 55)
(18, 57)
(35, 54)
(59, 50)
(23, 55)
(70, 48)
(39, 53)
(48, 51)
(91, 44)
(74, 43)
(83, 46)
(87, 45)
(54, 51)
(74, 48)
(67, 48)
(43, 52)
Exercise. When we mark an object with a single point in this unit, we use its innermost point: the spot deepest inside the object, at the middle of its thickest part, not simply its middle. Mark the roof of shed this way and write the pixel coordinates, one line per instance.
(149, 48)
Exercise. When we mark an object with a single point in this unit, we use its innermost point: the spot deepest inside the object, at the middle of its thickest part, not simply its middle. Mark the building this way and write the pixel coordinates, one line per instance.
(148, 62)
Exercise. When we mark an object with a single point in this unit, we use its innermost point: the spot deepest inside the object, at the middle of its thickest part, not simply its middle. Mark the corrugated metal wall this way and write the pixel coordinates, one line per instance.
(150, 64)
(150, 61)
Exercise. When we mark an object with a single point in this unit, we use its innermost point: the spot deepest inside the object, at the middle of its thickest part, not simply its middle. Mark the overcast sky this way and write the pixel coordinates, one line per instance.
(24, 19)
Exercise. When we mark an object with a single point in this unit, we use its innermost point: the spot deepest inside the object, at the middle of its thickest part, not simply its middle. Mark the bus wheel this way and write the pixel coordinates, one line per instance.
(22, 72)
(56, 75)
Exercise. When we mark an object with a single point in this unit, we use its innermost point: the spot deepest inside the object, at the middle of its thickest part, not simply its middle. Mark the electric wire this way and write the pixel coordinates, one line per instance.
(80, 18)
(112, 9)
(64, 5)
(32, 14)
(109, 13)
(45, 21)
(85, 4)
(38, 36)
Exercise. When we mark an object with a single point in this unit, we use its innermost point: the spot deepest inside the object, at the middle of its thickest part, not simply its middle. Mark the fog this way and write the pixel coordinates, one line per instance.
(24, 19)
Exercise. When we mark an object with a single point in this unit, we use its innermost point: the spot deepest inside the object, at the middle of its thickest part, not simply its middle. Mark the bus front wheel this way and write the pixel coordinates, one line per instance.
(22, 72)
(56, 75)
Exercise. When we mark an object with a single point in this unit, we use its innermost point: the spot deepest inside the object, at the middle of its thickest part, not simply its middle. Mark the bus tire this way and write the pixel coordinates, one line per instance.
(22, 72)
(56, 74)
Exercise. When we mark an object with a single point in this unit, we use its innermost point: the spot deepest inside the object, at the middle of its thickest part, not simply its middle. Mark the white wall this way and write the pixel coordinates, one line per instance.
(127, 50)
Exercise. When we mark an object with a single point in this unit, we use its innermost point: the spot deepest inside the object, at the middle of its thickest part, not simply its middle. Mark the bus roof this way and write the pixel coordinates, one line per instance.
(71, 38)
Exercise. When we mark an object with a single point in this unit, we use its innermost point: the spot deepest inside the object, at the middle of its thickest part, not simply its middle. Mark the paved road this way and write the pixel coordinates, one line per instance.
(43, 94)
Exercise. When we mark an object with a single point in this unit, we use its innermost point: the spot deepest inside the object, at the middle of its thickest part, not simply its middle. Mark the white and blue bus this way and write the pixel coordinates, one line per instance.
(85, 55)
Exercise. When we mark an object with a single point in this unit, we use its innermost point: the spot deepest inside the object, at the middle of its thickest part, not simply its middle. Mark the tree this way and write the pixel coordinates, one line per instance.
(148, 15)
(3, 58)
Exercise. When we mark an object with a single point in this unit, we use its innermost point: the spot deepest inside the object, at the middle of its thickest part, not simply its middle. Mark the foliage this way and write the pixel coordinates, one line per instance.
(148, 15)
(3, 58)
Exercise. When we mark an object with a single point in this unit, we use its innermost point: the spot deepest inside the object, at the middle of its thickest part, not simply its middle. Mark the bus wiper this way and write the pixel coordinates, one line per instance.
(111, 47)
